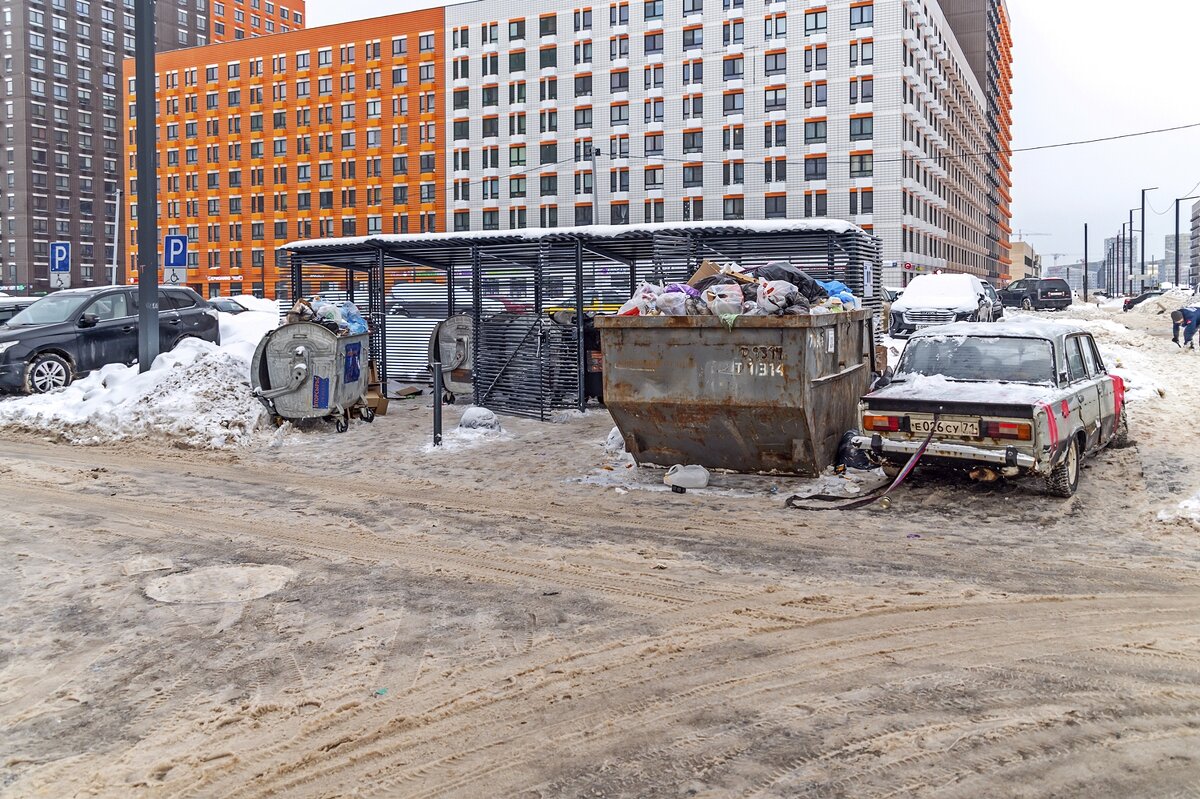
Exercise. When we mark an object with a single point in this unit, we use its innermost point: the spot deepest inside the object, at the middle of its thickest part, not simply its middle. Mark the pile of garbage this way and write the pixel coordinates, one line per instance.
(340, 318)
(774, 289)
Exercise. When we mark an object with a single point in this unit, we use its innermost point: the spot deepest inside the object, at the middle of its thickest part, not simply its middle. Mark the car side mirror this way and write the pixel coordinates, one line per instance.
(88, 320)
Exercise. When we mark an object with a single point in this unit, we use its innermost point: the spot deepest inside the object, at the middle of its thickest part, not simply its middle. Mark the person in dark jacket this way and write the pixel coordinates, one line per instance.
(1189, 320)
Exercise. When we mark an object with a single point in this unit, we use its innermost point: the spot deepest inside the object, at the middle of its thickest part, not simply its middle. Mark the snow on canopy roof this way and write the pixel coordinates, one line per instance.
(1020, 328)
(584, 232)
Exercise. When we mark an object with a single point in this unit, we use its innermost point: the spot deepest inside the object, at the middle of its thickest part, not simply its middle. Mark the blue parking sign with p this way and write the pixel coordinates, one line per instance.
(60, 264)
(175, 252)
(60, 256)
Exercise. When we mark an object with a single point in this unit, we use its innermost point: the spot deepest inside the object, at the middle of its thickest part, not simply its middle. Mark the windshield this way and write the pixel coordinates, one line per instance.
(49, 310)
(1010, 360)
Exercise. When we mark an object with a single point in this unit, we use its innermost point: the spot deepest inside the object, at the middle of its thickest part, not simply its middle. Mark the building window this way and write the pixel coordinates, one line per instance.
(425, 43)
(618, 214)
(816, 168)
(654, 44)
(734, 68)
(815, 131)
(862, 90)
(816, 204)
(733, 33)
(734, 208)
(693, 177)
(775, 100)
(862, 166)
(862, 53)
(693, 141)
(816, 22)
(693, 39)
(775, 63)
(861, 128)
(816, 94)
(862, 16)
(733, 103)
(548, 26)
(653, 9)
(776, 208)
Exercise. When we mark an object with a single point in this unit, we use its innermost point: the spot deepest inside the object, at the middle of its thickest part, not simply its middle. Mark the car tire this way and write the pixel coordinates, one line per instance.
(1063, 480)
(1027, 304)
(1121, 438)
(47, 372)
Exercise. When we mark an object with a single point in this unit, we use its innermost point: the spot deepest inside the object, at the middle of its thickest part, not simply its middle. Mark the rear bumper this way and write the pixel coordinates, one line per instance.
(966, 453)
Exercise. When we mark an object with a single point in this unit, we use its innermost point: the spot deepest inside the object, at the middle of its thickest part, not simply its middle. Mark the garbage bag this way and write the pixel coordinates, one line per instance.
(328, 314)
(643, 301)
(615, 443)
(354, 319)
(850, 457)
(682, 287)
(680, 476)
(672, 303)
(696, 306)
(724, 299)
(782, 270)
(715, 280)
(775, 295)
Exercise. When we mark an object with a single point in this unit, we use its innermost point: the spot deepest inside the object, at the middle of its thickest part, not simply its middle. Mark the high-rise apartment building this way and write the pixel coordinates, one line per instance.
(1194, 259)
(326, 132)
(623, 112)
(61, 111)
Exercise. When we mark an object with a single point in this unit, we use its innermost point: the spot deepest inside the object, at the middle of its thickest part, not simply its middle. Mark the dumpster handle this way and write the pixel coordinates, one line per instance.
(299, 375)
(847, 371)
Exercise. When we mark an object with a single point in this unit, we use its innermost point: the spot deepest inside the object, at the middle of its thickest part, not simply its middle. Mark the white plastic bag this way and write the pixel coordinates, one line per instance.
(680, 476)
(773, 295)
(673, 303)
(723, 299)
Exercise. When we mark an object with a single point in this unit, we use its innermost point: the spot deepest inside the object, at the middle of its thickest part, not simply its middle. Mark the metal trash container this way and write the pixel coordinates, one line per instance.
(773, 394)
(305, 371)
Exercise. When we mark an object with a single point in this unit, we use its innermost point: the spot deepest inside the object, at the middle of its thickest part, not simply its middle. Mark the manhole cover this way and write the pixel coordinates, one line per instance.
(220, 584)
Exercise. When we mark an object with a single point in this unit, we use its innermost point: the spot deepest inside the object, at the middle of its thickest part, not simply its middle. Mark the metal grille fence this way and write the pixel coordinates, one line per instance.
(529, 293)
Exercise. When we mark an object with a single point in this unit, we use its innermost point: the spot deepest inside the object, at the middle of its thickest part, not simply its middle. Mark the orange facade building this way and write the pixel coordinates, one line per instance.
(332, 131)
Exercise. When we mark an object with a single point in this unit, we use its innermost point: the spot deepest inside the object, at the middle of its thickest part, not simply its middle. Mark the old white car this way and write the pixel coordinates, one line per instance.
(1000, 400)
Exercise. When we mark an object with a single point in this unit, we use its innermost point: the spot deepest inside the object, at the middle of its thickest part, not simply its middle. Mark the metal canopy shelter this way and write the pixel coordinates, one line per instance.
(526, 360)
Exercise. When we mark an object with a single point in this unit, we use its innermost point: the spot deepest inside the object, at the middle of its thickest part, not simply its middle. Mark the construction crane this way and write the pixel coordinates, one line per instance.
(1022, 235)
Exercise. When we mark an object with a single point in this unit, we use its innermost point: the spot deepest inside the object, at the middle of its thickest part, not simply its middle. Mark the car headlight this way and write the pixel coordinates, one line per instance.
(7, 345)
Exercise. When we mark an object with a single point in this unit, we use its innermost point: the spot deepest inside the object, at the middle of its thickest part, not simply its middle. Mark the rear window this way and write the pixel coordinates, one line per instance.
(180, 299)
(1055, 284)
(1010, 360)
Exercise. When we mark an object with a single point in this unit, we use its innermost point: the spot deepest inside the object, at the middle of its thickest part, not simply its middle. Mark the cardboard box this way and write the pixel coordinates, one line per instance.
(707, 269)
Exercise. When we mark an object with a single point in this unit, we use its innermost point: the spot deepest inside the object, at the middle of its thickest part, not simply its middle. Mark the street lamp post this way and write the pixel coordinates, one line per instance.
(1177, 202)
(147, 184)
(1132, 230)
(1142, 277)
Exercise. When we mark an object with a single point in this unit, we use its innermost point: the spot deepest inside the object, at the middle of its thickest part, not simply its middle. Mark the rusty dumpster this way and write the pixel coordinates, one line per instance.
(772, 394)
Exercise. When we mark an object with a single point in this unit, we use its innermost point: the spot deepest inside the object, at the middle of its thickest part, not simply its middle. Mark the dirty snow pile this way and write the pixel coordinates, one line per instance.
(1172, 300)
(197, 395)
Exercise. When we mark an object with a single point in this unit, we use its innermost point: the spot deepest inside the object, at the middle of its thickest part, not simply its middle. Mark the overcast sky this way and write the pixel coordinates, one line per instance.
(1084, 69)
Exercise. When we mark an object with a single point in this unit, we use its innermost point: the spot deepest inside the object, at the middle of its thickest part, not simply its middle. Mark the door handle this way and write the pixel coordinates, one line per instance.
(127, 328)
(172, 321)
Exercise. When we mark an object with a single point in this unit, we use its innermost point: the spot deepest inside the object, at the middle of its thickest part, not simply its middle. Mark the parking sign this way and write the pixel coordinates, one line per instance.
(175, 252)
(60, 264)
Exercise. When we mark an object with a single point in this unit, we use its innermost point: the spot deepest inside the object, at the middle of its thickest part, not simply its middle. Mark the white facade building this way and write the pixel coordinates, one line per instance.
(722, 109)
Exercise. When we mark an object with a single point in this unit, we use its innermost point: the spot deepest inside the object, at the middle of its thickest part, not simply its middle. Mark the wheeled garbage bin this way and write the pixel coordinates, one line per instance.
(306, 371)
(770, 394)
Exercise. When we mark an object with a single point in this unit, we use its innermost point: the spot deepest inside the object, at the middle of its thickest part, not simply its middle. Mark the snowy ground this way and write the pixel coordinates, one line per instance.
(523, 613)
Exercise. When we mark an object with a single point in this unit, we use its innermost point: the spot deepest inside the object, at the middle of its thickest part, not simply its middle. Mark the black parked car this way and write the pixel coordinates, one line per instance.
(1133, 302)
(11, 306)
(69, 333)
(1037, 294)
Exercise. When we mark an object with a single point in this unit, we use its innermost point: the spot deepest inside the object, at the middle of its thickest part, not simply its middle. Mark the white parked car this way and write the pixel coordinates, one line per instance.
(938, 300)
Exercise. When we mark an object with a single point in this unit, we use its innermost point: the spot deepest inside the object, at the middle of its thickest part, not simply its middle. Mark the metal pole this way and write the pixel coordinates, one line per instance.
(1142, 278)
(1120, 258)
(579, 340)
(1085, 262)
(147, 185)
(117, 236)
(595, 186)
(1129, 278)
(437, 393)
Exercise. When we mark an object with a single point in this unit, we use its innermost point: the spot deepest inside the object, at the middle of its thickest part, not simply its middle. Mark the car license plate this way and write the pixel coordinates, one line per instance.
(946, 428)
(1056, 294)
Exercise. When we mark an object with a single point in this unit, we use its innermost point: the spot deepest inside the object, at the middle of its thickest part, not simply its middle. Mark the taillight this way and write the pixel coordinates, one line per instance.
(1015, 430)
(881, 424)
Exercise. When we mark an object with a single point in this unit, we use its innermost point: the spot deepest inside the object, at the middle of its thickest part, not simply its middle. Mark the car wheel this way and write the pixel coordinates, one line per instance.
(47, 373)
(1121, 438)
(1027, 304)
(1064, 479)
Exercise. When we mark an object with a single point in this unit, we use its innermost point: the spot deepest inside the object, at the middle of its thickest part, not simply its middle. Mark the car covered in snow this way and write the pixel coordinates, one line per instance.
(69, 333)
(1027, 398)
(931, 300)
